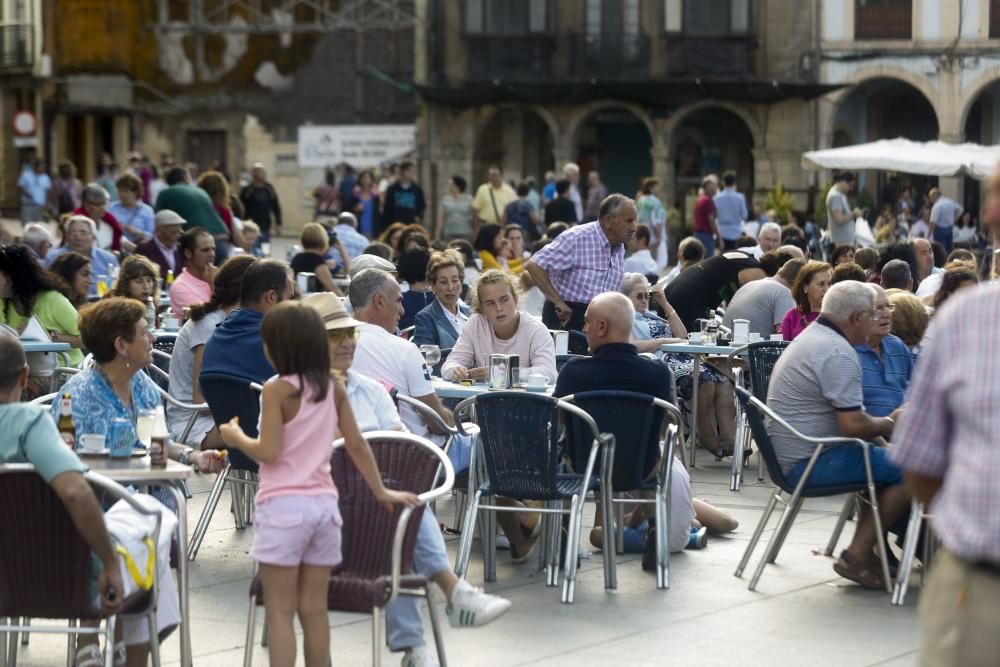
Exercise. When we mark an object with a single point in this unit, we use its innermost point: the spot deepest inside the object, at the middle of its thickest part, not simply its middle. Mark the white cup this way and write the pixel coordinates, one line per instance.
(536, 381)
(777, 337)
(755, 337)
(695, 337)
(92, 442)
(171, 324)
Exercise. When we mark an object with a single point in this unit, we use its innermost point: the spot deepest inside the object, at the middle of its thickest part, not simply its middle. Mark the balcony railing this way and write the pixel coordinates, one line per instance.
(608, 56)
(711, 57)
(510, 57)
(16, 46)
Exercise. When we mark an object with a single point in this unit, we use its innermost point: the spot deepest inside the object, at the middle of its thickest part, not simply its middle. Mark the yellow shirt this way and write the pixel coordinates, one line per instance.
(482, 205)
(489, 261)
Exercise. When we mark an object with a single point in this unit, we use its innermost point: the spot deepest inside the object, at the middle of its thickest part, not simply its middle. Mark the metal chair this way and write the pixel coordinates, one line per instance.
(162, 379)
(630, 462)
(578, 344)
(519, 442)
(913, 527)
(165, 343)
(761, 358)
(792, 497)
(561, 360)
(227, 397)
(45, 565)
(44, 400)
(161, 363)
(378, 545)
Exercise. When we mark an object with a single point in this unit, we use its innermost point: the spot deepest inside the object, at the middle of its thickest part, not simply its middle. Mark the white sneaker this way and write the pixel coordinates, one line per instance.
(471, 608)
(420, 656)
(89, 656)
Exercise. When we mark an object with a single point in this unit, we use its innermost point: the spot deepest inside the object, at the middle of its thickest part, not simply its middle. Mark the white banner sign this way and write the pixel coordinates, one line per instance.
(357, 145)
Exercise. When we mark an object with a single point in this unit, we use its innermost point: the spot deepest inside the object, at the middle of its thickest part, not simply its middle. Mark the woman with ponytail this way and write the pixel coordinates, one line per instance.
(185, 363)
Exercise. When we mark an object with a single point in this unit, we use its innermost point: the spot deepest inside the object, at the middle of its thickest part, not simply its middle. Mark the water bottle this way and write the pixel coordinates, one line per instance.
(150, 314)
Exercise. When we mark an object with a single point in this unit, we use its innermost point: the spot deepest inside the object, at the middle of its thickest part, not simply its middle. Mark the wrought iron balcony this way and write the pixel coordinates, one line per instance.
(608, 56)
(510, 57)
(711, 57)
(16, 46)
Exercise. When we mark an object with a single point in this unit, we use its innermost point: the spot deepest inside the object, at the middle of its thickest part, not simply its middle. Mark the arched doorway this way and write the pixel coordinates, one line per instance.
(712, 140)
(617, 144)
(519, 141)
(982, 126)
(884, 108)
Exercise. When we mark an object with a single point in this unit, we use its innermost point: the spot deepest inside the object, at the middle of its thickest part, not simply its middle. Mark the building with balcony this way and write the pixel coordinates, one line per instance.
(633, 88)
(921, 69)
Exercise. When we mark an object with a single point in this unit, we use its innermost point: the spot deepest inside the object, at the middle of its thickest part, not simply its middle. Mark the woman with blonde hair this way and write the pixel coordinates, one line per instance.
(909, 319)
(315, 244)
(442, 321)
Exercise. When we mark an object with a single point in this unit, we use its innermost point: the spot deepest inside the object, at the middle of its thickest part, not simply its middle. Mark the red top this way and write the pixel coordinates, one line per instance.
(227, 217)
(111, 221)
(704, 208)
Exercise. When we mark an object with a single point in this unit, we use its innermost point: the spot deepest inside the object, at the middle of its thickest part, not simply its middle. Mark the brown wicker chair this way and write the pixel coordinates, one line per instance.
(45, 564)
(378, 545)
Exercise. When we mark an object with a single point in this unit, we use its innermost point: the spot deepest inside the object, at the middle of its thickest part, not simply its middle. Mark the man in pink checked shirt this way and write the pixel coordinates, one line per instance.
(583, 262)
(949, 449)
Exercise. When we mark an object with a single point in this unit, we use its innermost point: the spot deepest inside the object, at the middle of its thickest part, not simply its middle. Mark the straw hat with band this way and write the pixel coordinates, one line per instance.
(331, 310)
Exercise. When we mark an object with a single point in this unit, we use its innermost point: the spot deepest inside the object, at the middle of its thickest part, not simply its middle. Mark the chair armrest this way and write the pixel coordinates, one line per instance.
(737, 352)
(426, 412)
(180, 404)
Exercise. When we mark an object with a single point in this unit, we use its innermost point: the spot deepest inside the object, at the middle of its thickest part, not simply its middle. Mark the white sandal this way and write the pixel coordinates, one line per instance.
(89, 656)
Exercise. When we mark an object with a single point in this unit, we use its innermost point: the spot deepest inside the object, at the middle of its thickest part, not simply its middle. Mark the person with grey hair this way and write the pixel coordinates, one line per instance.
(38, 239)
(346, 231)
(79, 235)
(768, 238)
(816, 387)
(94, 205)
(583, 262)
(896, 274)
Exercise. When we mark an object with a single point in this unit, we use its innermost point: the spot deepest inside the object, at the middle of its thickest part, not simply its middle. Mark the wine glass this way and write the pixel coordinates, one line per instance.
(432, 354)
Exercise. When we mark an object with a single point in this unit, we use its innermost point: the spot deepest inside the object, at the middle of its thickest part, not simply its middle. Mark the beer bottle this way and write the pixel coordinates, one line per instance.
(67, 430)
(170, 278)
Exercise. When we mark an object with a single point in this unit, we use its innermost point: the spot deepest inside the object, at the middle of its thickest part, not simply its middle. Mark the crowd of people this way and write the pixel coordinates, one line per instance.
(493, 272)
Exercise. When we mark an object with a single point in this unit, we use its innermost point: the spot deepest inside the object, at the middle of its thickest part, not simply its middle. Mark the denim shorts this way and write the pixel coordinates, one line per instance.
(845, 464)
(295, 530)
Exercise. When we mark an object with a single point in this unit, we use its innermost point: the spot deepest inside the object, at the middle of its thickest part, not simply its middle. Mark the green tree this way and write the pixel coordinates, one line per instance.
(779, 201)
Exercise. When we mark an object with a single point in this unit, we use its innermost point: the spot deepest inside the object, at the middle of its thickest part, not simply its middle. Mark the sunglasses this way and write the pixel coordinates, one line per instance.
(339, 335)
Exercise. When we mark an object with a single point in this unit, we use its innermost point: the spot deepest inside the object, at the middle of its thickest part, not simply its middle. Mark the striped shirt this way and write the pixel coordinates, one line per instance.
(952, 430)
(816, 377)
(884, 381)
(582, 263)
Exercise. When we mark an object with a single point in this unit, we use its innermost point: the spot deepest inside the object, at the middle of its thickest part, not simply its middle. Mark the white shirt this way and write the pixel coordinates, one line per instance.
(930, 285)
(641, 261)
(458, 318)
(751, 228)
(371, 404)
(397, 362)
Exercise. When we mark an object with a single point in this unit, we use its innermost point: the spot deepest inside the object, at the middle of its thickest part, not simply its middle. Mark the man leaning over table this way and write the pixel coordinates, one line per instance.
(583, 262)
(951, 463)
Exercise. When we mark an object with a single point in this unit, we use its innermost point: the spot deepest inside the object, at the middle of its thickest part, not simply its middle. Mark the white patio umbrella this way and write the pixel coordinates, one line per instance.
(931, 158)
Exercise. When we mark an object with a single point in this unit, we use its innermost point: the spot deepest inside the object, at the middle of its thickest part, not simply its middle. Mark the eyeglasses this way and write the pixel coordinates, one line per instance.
(642, 296)
(339, 335)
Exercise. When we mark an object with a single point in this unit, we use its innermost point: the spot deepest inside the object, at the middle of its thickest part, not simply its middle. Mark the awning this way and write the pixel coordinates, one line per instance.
(930, 158)
(668, 93)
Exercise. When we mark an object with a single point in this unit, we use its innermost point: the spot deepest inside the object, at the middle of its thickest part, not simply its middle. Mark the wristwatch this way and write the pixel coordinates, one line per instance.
(185, 459)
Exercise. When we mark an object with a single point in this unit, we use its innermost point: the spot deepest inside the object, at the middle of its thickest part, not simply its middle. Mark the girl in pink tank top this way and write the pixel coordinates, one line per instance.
(297, 522)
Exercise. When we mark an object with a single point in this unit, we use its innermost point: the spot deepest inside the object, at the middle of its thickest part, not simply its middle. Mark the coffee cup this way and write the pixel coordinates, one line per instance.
(92, 442)
(777, 337)
(754, 337)
(171, 324)
(695, 337)
(536, 381)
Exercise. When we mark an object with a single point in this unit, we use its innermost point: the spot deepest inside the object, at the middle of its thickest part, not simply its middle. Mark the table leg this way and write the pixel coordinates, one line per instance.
(693, 435)
(182, 575)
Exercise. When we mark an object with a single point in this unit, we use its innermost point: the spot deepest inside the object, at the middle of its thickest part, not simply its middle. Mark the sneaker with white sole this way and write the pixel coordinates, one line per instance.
(419, 656)
(472, 608)
(89, 656)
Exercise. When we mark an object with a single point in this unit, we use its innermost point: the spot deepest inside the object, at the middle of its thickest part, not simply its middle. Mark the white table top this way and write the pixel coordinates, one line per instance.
(446, 389)
(43, 346)
(135, 469)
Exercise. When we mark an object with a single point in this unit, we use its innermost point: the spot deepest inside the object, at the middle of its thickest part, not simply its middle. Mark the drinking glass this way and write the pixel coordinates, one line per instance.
(144, 427)
(432, 354)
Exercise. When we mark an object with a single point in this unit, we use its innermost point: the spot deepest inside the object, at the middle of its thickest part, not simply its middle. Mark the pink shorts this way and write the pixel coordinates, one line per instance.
(295, 530)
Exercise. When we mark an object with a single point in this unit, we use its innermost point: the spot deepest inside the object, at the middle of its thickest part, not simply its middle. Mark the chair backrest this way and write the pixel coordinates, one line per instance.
(406, 463)
(635, 421)
(762, 356)
(227, 397)
(165, 343)
(44, 561)
(756, 417)
(577, 343)
(561, 359)
(161, 361)
(519, 433)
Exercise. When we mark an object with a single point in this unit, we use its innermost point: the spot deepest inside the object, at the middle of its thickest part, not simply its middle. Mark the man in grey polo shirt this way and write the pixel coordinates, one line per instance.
(765, 302)
(816, 388)
(839, 221)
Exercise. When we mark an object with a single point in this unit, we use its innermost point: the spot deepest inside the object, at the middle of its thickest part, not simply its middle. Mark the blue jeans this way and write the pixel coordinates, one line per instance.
(708, 240)
(943, 235)
(845, 464)
(404, 624)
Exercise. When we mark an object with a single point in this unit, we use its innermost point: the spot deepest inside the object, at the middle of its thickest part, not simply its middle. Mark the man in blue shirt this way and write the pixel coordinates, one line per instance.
(34, 184)
(886, 363)
(354, 242)
(730, 211)
(236, 348)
